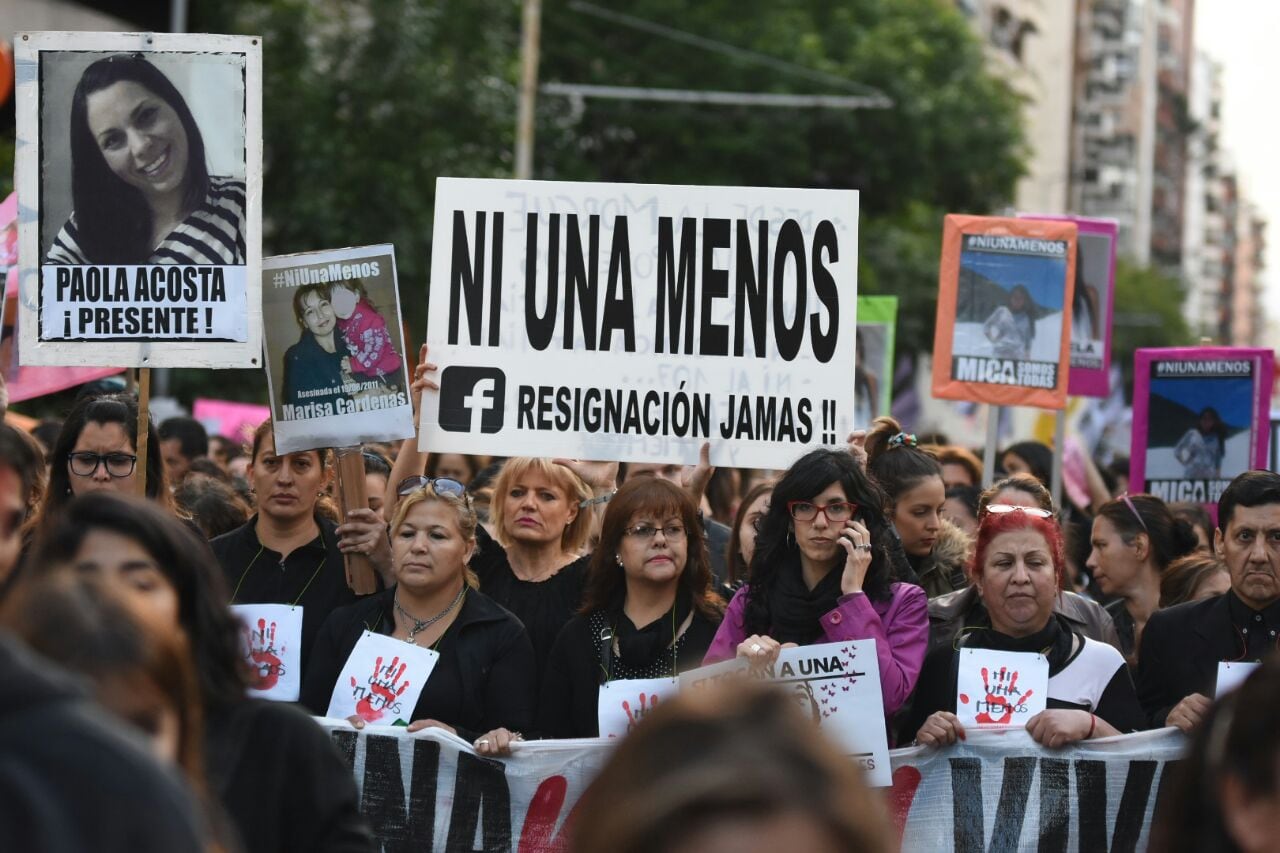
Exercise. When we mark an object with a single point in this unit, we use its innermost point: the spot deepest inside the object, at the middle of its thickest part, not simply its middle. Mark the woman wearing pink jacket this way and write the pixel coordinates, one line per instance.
(821, 574)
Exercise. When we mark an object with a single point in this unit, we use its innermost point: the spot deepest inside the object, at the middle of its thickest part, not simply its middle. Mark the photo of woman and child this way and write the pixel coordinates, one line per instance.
(344, 345)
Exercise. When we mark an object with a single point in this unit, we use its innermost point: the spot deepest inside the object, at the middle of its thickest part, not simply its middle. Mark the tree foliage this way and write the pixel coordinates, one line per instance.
(366, 102)
(1148, 313)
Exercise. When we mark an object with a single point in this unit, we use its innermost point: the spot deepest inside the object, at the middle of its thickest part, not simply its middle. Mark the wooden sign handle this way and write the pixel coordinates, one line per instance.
(361, 576)
(144, 404)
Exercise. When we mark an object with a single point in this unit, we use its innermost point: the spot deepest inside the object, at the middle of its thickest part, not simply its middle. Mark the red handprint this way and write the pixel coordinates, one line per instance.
(264, 657)
(634, 717)
(999, 706)
(382, 690)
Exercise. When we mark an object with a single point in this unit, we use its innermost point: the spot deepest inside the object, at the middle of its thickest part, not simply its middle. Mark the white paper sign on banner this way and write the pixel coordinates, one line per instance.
(382, 680)
(1231, 674)
(623, 703)
(725, 314)
(1000, 688)
(272, 635)
(836, 684)
(707, 676)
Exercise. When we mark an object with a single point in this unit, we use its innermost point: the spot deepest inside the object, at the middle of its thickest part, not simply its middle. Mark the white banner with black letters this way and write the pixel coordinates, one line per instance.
(996, 791)
(636, 321)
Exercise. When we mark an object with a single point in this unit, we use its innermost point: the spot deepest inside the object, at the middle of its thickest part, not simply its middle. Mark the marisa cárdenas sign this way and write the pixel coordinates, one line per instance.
(633, 321)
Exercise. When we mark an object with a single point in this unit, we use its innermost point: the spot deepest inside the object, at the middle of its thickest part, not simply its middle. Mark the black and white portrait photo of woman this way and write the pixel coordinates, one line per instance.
(141, 187)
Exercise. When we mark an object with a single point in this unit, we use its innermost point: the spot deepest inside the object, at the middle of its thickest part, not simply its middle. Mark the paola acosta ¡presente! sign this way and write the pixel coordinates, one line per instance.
(116, 132)
(633, 321)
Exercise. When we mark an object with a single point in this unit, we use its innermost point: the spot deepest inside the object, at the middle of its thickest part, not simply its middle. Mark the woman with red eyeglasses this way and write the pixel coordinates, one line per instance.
(820, 574)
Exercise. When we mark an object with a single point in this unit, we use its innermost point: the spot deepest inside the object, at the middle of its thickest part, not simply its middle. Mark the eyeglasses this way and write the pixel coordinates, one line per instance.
(442, 486)
(1133, 509)
(648, 531)
(85, 464)
(833, 512)
(1001, 509)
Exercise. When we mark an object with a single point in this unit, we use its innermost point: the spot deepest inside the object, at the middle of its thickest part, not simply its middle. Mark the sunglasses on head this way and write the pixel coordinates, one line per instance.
(1001, 509)
(442, 486)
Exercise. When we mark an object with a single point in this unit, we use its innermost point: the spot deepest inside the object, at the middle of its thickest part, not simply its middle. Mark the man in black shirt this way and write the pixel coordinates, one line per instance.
(1182, 646)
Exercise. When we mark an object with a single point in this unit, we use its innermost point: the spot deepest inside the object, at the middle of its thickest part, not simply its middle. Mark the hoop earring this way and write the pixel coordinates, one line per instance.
(791, 540)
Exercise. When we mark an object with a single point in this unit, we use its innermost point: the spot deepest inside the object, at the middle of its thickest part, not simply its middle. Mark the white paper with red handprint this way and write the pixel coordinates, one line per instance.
(1000, 689)
(623, 703)
(271, 635)
(382, 680)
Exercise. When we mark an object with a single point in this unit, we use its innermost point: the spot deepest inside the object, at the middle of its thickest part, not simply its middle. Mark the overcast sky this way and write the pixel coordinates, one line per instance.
(1241, 34)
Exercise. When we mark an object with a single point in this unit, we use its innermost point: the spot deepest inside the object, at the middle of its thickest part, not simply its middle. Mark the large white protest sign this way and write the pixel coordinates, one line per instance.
(272, 635)
(336, 365)
(997, 790)
(837, 685)
(624, 702)
(382, 680)
(139, 172)
(635, 321)
(1000, 688)
(1231, 674)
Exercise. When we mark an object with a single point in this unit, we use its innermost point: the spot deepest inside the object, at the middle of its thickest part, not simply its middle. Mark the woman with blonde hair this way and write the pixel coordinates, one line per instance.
(484, 678)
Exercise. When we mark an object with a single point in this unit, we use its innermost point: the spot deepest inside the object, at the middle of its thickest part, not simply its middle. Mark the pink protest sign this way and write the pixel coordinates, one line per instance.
(1200, 418)
(1092, 304)
(236, 421)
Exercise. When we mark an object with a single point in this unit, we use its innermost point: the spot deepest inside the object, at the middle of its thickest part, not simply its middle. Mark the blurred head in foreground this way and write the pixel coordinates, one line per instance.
(733, 768)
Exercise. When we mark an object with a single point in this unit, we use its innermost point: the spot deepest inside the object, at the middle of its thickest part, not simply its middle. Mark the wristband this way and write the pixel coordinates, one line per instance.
(1093, 723)
(601, 499)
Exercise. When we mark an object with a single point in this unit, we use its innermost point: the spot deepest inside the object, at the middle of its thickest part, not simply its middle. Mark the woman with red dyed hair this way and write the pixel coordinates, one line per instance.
(1018, 568)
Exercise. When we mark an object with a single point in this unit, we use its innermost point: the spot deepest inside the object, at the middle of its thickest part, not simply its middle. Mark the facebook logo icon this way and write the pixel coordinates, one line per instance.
(471, 399)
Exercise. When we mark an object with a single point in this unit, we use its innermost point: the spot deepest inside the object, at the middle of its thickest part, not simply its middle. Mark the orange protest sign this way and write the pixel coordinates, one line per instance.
(1002, 334)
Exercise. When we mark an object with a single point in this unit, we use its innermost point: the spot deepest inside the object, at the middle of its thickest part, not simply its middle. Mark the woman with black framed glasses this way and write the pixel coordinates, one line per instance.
(648, 609)
(97, 450)
(821, 574)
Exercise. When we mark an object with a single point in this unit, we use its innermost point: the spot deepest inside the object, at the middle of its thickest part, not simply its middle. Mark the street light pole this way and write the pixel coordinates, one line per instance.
(530, 34)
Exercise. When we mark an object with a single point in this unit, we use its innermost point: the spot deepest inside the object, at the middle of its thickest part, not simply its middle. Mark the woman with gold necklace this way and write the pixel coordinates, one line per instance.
(484, 678)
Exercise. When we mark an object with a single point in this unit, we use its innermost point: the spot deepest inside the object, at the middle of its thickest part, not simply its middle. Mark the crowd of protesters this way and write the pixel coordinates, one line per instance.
(538, 581)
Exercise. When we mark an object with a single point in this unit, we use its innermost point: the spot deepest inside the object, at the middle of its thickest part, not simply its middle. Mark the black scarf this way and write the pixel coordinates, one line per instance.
(640, 647)
(795, 610)
(1055, 641)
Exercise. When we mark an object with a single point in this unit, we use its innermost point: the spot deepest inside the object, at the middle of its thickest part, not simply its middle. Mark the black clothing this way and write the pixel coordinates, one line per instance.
(282, 781)
(1084, 675)
(571, 684)
(543, 606)
(1126, 628)
(484, 678)
(1182, 646)
(796, 610)
(71, 781)
(313, 576)
(312, 374)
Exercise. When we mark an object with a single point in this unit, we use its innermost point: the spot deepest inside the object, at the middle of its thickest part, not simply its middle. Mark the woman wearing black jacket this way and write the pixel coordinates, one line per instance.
(484, 678)
(648, 612)
(275, 772)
